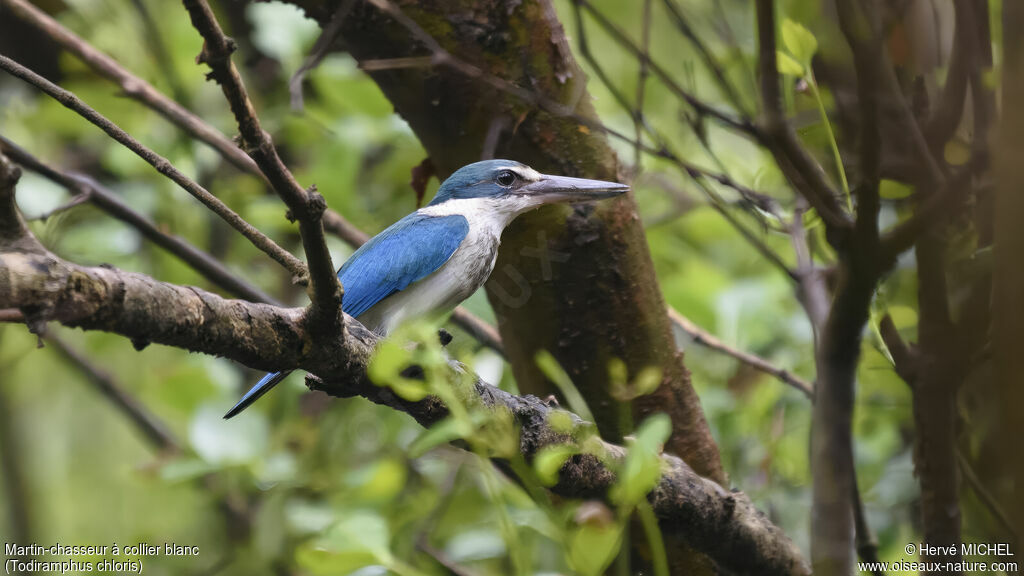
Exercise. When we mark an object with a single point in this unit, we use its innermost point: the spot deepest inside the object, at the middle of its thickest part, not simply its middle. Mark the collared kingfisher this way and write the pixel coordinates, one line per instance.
(428, 262)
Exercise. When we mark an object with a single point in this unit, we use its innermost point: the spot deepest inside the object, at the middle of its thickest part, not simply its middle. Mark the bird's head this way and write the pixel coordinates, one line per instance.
(520, 185)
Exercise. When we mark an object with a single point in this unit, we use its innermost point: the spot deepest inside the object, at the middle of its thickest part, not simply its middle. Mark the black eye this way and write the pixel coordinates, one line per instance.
(506, 178)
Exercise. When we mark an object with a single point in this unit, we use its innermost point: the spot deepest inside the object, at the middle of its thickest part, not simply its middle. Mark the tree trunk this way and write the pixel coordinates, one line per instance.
(578, 282)
(1008, 274)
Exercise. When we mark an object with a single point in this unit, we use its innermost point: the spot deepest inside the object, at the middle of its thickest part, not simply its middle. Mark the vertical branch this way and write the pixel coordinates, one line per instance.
(138, 89)
(641, 84)
(307, 206)
(942, 364)
(835, 496)
(796, 163)
(1008, 275)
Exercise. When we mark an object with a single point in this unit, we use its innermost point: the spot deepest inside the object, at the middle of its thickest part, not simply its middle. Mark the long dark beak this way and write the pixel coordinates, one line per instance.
(551, 189)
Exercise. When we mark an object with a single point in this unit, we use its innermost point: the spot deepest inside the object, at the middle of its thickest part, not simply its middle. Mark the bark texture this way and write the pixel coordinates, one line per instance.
(719, 523)
(577, 282)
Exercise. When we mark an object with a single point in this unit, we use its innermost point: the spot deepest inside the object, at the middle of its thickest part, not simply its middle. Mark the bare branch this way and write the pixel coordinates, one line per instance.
(938, 207)
(701, 107)
(161, 164)
(705, 338)
(984, 495)
(320, 49)
(86, 189)
(710, 62)
(800, 168)
(723, 524)
(143, 92)
(904, 357)
(11, 316)
(861, 34)
(479, 329)
(307, 206)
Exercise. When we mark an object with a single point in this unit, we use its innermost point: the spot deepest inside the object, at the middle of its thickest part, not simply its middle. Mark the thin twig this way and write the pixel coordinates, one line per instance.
(161, 164)
(641, 83)
(141, 91)
(800, 168)
(11, 316)
(306, 206)
(938, 207)
(705, 338)
(144, 93)
(753, 198)
(154, 39)
(984, 495)
(87, 189)
(904, 356)
(317, 53)
(78, 198)
(441, 57)
(705, 54)
(865, 541)
(704, 109)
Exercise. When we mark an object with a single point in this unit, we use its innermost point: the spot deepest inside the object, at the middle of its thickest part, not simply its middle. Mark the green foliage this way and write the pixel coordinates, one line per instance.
(340, 486)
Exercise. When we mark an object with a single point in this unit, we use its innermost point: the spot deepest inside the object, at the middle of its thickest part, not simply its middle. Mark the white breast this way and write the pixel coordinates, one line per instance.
(463, 273)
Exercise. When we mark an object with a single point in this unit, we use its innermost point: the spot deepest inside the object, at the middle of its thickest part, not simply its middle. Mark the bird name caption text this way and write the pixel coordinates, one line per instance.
(73, 559)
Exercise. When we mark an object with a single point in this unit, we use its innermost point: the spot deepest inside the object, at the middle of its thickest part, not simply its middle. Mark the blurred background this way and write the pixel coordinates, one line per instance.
(268, 491)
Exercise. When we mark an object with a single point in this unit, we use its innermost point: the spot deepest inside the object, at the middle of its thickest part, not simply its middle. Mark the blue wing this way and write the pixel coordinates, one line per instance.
(410, 250)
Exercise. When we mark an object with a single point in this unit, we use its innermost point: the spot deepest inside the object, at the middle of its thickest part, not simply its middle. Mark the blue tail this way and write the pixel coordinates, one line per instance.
(254, 393)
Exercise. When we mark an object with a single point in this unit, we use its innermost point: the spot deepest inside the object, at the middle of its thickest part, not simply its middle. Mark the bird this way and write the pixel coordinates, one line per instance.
(428, 262)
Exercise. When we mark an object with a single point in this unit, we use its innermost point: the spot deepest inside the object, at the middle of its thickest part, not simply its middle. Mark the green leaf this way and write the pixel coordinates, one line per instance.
(360, 539)
(893, 190)
(902, 316)
(386, 370)
(957, 152)
(388, 362)
(653, 432)
(642, 467)
(554, 372)
(381, 481)
(560, 421)
(440, 433)
(592, 548)
(647, 381)
(549, 461)
(787, 65)
(799, 41)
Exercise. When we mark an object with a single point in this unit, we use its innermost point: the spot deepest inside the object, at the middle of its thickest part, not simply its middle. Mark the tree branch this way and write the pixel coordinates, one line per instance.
(701, 107)
(161, 164)
(724, 525)
(143, 92)
(208, 266)
(306, 206)
(704, 338)
(799, 167)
